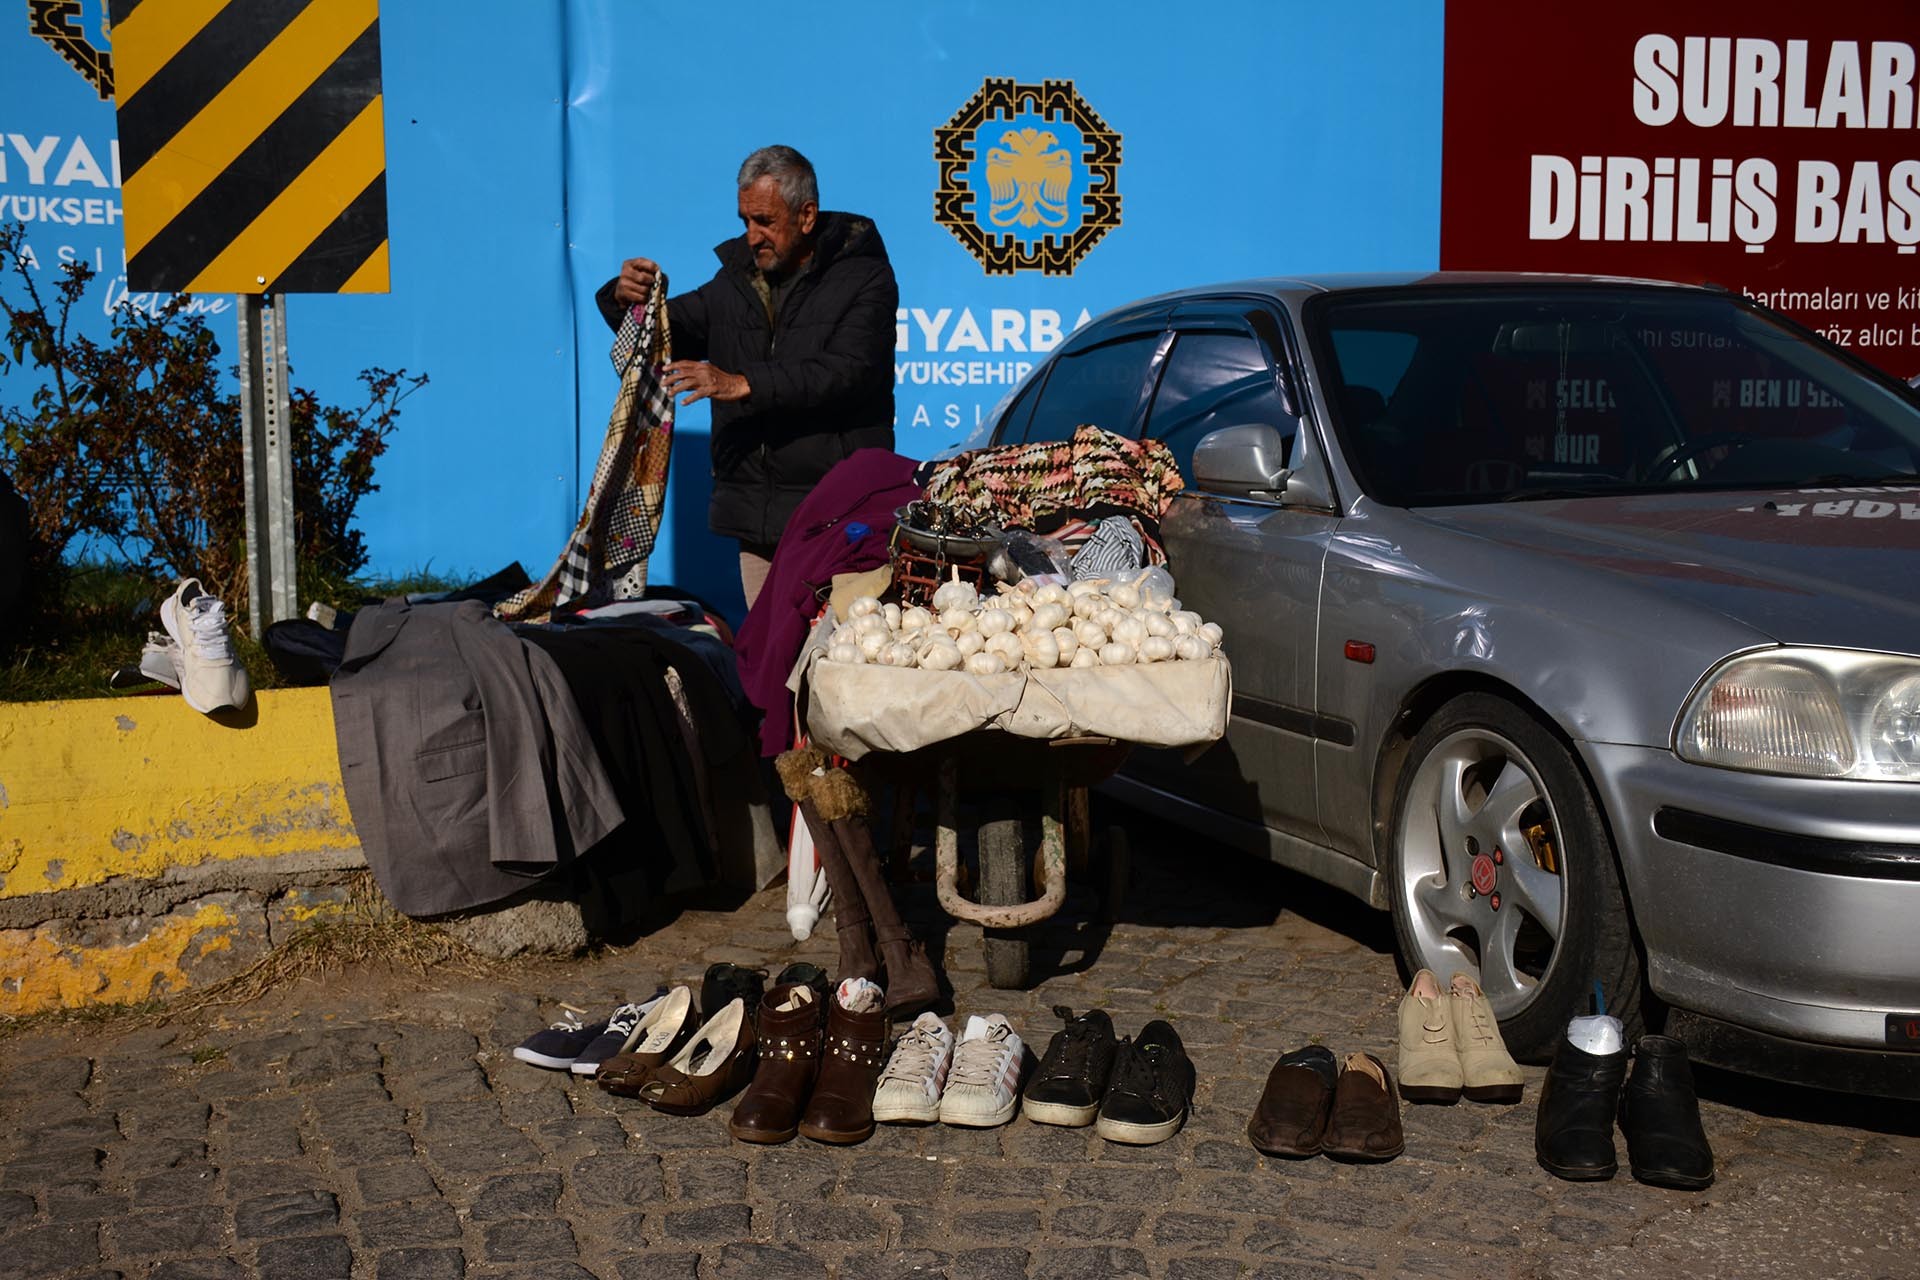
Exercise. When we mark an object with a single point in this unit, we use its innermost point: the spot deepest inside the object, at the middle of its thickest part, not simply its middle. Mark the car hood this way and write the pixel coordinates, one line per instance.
(1800, 566)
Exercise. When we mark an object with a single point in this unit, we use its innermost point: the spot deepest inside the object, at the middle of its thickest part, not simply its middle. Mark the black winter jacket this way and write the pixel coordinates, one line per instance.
(822, 373)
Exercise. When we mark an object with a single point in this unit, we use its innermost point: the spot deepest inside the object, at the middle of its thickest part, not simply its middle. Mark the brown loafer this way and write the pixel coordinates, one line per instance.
(715, 1064)
(789, 1035)
(658, 1037)
(1365, 1124)
(1291, 1118)
(841, 1110)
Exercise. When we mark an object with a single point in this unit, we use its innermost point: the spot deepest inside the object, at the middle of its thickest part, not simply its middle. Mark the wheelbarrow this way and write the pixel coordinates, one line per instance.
(1011, 781)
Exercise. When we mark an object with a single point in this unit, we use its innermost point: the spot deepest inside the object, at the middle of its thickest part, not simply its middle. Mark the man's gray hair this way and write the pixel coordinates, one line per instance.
(793, 171)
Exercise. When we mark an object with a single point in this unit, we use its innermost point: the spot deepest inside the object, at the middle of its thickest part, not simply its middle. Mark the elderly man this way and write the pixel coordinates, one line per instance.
(792, 341)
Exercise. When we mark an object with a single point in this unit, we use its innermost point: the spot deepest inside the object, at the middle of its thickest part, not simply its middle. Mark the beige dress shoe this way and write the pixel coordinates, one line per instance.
(1488, 1072)
(1430, 1065)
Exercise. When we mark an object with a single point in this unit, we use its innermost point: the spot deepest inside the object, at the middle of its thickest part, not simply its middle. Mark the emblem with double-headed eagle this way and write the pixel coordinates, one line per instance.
(1027, 178)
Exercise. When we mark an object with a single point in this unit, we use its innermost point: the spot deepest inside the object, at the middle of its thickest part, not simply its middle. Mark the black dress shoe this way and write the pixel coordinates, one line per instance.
(1573, 1133)
(1666, 1147)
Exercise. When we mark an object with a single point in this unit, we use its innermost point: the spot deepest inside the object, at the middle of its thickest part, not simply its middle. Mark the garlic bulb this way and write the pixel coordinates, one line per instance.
(892, 614)
(1020, 613)
(1052, 593)
(1116, 654)
(1066, 642)
(995, 621)
(1158, 624)
(1040, 650)
(1184, 621)
(1008, 646)
(955, 595)
(1191, 649)
(941, 657)
(915, 619)
(1129, 630)
(871, 643)
(985, 664)
(1084, 658)
(900, 654)
(970, 643)
(1211, 633)
(1124, 596)
(1089, 633)
(1156, 649)
(957, 621)
(862, 606)
(1086, 587)
(1109, 617)
(1048, 616)
(845, 651)
(1087, 604)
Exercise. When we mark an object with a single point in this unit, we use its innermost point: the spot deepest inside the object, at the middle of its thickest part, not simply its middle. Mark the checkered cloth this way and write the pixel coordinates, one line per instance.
(606, 556)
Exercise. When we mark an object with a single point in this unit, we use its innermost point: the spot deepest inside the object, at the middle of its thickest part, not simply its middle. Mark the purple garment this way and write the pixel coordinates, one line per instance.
(865, 489)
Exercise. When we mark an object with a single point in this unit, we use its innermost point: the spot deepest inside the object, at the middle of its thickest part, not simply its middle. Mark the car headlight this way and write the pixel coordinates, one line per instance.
(1808, 713)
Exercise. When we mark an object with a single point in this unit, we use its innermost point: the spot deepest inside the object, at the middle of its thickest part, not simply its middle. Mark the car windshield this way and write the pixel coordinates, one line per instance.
(1445, 396)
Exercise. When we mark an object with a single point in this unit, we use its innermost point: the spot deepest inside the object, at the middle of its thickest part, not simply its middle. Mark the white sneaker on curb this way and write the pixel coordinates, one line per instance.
(210, 678)
(160, 659)
(983, 1089)
(916, 1075)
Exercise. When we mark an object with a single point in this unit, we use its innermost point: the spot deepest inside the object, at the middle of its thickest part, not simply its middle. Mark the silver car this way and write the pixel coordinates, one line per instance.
(1574, 621)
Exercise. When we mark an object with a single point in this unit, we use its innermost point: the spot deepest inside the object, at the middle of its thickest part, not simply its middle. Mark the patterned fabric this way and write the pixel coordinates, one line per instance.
(606, 556)
(1013, 484)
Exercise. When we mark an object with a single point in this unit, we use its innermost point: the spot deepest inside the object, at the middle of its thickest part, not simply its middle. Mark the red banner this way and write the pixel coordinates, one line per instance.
(1770, 147)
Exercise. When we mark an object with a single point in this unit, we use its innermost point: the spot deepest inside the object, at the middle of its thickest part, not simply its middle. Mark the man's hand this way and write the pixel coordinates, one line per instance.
(693, 380)
(635, 281)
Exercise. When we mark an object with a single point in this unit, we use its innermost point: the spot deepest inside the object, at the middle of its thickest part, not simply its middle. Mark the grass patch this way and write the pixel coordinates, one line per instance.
(206, 1053)
(102, 614)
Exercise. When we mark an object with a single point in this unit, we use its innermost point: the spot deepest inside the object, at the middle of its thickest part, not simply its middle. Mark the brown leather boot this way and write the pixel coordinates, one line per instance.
(841, 1111)
(789, 1036)
(911, 982)
(852, 922)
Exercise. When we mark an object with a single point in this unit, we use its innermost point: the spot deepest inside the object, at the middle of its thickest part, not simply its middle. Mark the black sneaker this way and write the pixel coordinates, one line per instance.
(725, 982)
(801, 973)
(1072, 1077)
(618, 1036)
(558, 1047)
(1151, 1089)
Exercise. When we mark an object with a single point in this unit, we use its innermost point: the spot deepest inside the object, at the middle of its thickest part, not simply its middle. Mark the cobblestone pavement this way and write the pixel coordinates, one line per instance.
(373, 1126)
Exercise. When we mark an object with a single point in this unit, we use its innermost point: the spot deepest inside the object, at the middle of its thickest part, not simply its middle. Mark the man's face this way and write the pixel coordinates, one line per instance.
(776, 234)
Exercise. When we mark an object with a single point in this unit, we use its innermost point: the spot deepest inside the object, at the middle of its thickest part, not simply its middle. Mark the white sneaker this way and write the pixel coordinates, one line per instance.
(983, 1089)
(916, 1074)
(210, 678)
(160, 659)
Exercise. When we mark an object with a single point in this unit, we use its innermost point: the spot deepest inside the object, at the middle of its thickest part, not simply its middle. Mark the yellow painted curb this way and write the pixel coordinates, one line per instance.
(91, 790)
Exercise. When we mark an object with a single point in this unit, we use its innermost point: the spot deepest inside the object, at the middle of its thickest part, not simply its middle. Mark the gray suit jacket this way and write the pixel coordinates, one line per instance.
(468, 770)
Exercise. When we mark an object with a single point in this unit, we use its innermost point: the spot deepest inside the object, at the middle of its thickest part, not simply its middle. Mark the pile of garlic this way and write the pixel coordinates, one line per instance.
(1081, 624)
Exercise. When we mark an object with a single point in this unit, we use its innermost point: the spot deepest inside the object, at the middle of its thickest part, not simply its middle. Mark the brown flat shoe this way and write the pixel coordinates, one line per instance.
(1291, 1118)
(715, 1064)
(1365, 1124)
(789, 1031)
(658, 1037)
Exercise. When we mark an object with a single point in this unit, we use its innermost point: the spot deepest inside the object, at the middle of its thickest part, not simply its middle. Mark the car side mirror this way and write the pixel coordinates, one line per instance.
(1241, 462)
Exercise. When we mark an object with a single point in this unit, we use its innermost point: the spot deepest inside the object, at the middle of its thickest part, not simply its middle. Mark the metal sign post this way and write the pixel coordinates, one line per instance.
(267, 458)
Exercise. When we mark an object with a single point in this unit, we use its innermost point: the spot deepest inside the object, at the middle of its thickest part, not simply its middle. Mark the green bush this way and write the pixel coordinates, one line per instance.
(134, 444)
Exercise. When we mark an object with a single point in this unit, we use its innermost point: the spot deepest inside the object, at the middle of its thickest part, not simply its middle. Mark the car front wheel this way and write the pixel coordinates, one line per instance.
(1502, 869)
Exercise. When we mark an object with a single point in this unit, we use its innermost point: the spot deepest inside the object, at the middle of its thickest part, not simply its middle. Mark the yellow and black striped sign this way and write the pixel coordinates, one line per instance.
(252, 145)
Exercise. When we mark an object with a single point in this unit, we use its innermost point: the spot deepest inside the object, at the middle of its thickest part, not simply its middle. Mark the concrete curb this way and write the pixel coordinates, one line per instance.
(146, 848)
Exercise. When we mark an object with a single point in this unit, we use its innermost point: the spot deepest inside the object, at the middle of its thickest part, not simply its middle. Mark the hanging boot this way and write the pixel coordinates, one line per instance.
(911, 982)
(852, 923)
(1666, 1147)
(1573, 1133)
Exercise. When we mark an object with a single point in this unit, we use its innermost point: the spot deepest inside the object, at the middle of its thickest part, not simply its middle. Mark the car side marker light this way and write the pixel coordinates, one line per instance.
(1359, 651)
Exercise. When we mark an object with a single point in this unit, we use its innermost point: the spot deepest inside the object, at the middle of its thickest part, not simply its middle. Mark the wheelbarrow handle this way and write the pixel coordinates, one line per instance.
(1053, 859)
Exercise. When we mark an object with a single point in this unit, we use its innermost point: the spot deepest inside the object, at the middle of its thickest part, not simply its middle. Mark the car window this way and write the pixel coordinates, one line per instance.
(1100, 385)
(1012, 425)
(1213, 380)
(1519, 393)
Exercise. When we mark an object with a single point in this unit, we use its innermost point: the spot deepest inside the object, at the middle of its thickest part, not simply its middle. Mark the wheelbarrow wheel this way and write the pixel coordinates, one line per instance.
(1003, 883)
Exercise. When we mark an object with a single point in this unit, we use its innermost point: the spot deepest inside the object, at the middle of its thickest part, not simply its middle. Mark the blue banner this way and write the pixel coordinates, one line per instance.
(1027, 165)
